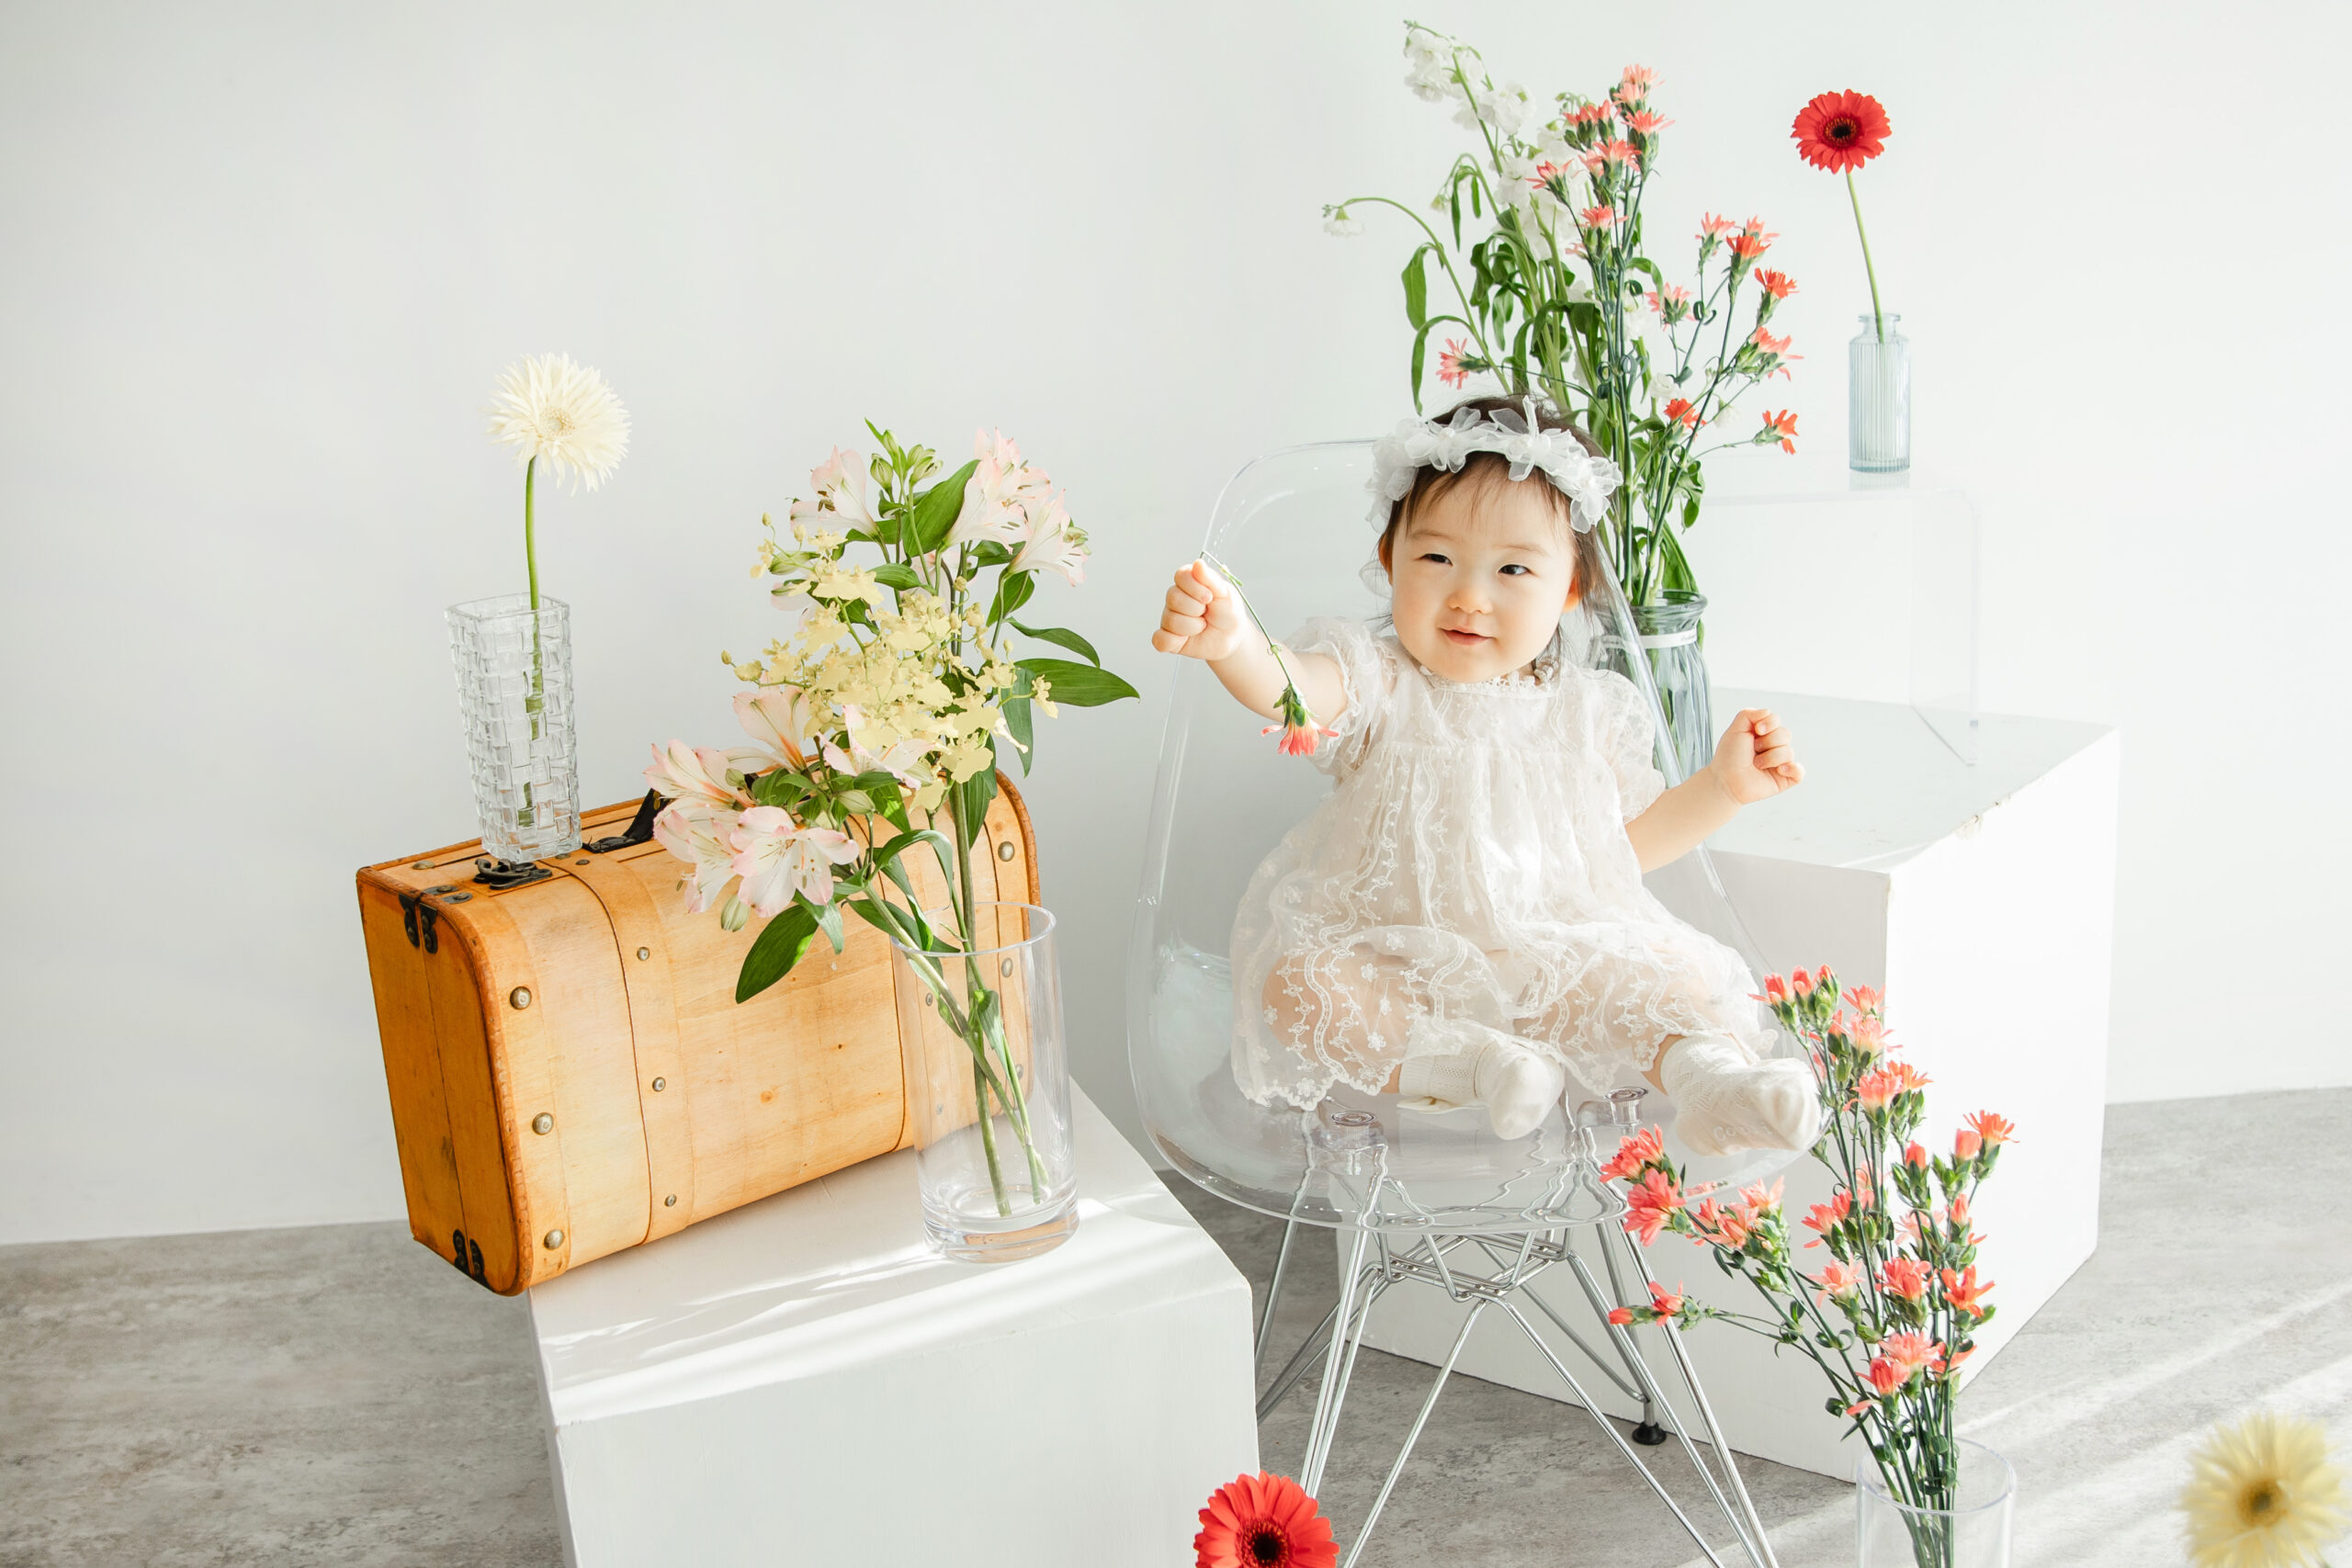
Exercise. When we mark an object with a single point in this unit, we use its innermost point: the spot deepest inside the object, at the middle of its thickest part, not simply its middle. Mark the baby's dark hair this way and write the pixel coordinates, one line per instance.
(1489, 469)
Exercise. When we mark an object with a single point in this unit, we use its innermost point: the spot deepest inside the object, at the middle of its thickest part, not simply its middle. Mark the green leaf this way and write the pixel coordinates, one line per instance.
(1024, 725)
(828, 921)
(777, 950)
(1062, 636)
(1012, 590)
(896, 574)
(1416, 290)
(1080, 685)
(936, 509)
(779, 786)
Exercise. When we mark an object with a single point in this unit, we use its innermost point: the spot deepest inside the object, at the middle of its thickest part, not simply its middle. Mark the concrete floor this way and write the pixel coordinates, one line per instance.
(333, 1396)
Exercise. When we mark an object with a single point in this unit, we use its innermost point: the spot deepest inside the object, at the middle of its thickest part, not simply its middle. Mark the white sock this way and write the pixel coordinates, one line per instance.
(1724, 1099)
(1456, 1062)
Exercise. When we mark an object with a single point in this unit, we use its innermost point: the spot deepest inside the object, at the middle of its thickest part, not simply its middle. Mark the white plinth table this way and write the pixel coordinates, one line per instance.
(1981, 899)
(804, 1381)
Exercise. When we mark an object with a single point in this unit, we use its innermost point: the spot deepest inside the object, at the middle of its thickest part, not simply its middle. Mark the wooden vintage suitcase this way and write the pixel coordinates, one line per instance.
(571, 1075)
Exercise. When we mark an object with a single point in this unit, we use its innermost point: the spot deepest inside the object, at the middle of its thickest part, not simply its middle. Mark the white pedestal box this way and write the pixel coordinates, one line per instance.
(1982, 900)
(804, 1381)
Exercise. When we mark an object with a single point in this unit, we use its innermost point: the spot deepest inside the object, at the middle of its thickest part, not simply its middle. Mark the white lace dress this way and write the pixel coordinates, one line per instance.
(1472, 863)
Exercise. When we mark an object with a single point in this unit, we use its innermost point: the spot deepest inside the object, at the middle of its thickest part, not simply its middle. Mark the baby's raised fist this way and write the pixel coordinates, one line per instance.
(1202, 618)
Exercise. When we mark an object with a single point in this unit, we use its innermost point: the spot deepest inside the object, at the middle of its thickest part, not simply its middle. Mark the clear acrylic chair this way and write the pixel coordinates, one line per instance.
(1419, 1201)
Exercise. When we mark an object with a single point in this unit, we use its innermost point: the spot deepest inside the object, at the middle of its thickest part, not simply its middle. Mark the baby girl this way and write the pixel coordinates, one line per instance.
(1462, 920)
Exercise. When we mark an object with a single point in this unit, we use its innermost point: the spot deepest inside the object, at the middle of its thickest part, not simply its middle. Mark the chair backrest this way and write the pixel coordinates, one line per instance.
(1293, 526)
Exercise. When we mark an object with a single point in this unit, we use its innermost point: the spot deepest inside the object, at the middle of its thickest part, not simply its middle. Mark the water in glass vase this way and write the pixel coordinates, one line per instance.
(1970, 1529)
(1669, 639)
(514, 666)
(988, 1085)
(1878, 397)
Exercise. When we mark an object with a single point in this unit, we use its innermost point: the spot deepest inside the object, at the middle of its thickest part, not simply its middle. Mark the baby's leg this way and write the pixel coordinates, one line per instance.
(1725, 1098)
(1407, 1021)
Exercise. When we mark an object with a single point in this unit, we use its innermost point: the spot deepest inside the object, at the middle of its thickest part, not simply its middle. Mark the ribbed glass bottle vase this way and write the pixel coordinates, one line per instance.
(1670, 637)
(515, 688)
(1878, 397)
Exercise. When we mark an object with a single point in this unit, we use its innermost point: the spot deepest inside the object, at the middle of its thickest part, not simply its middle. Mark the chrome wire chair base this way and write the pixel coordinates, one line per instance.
(1500, 1273)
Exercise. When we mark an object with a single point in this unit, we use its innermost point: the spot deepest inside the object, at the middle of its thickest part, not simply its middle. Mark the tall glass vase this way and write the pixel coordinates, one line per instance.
(1878, 397)
(1669, 640)
(987, 1087)
(515, 688)
(1972, 1532)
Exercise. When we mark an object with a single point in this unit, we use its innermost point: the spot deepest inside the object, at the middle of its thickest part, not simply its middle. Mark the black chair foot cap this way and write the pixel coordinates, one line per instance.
(1650, 1434)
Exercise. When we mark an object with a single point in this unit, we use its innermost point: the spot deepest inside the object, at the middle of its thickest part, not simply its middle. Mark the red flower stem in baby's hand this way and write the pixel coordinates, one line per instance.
(1301, 734)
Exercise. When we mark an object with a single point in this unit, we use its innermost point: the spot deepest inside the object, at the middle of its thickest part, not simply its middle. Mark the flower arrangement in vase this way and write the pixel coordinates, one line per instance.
(1541, 237)
(1892, 1311)
(514, 653)
(1840, 132)
(879, 716)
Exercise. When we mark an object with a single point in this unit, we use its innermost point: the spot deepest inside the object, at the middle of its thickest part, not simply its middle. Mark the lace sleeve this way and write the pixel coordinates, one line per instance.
(1366, 675)
(1622, 728)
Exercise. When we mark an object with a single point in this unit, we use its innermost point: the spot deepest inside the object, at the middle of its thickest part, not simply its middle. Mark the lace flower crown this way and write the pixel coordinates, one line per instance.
(1418, 443)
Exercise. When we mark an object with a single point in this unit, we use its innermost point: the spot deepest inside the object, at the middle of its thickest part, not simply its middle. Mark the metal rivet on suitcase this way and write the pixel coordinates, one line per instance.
(552, 1240)
(661, 1083)
(543, 1122)
(519, 997)
(1006, 850)
(927, 999)
(671, 1201)
(580, 862)
(421, 866)
(460, 898)
(643, 954)
(444, 888)
(1005, 967)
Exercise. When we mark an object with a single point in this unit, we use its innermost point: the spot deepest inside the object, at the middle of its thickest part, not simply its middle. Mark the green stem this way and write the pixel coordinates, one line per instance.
(537, 705)
(1878, 314)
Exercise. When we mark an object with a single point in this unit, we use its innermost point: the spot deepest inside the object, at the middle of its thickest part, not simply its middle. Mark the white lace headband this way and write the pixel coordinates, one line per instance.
(1418, 443)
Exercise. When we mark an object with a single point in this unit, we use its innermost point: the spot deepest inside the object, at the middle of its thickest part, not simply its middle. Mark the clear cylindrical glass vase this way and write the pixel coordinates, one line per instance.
(1669, 639)
(1878, 397)
(987, 1087)
(514, 688)
(1973, 1532)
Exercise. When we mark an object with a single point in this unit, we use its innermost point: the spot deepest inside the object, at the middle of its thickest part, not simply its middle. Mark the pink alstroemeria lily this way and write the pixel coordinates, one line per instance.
(780, 718)
(903, 761)
(697, 833)
(693, 773)
(1055, 544)
(997, 496)
(840, 484)
(777, 857)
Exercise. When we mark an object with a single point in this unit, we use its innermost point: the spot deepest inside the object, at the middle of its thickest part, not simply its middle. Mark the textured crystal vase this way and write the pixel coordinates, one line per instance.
(1669, 639)
(988, 1087)
(1972, 1532)
(515, 688)
(1878, 397)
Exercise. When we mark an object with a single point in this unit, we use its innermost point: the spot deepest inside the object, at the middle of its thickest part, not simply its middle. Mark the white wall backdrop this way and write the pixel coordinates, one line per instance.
(259, 265)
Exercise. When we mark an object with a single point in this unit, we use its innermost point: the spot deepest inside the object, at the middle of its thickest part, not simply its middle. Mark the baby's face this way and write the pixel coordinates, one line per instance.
(1481, 579)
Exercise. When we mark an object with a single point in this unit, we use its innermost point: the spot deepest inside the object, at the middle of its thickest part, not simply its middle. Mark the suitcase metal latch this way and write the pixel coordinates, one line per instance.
(641, 828)
(417, 919)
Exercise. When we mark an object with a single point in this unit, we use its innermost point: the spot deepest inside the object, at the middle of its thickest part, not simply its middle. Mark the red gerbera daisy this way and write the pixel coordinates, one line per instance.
(1839, 131)
(1263, 1521)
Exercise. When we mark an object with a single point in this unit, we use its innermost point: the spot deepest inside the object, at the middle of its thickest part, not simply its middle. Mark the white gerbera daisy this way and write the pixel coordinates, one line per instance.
(561, 414)
(2264, 1495)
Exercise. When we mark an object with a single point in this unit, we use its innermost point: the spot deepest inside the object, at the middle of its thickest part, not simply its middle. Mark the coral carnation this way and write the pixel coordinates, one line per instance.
(1263, 1521)
(1840, 132)
(1648, 1206)
(1636, 1151)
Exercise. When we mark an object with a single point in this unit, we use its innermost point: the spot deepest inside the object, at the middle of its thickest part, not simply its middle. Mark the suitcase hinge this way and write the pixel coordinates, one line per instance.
(417, 919)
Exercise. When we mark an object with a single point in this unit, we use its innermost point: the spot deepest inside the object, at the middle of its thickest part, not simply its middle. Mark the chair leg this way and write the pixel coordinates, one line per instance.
(1338, 1364)
(1763, 1546)
(1273, 1296)
(1608, 1427)
(1413, 1435)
